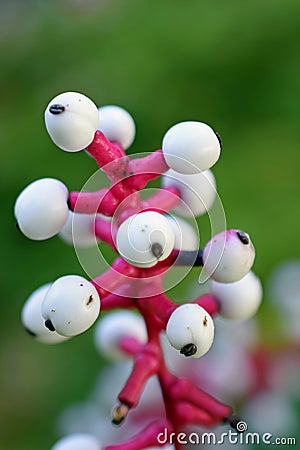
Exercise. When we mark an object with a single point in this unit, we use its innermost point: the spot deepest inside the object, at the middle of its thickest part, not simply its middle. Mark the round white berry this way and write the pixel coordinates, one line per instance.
(239, 300)
(145, 238)
(33, 321)
(117, 125)
(78, 441)
(71, 120)
(115, 326)
(186, 237)
(191, 147)
(197, 191)
(79, 230)
(41, 209)
(228, 256)
(71, 305)
(190, 329)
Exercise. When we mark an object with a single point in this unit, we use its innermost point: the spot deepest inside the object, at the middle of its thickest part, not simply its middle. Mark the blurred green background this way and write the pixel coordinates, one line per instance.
(233, 64)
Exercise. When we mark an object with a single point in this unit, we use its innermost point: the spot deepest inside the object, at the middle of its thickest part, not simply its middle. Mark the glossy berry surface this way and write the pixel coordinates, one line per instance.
(191, 147)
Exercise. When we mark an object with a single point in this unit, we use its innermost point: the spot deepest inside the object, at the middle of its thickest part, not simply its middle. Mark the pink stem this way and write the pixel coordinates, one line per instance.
(128, 207)
(119, 273)
(105, 231)
(114, 301)
(162, 201)
(146, 364)
(130, 345)
(209, 303)
(148, 437)
(105, 153)
(188, 414)
(102, 201)
(184, 390)
(142, 170)
(161, 305)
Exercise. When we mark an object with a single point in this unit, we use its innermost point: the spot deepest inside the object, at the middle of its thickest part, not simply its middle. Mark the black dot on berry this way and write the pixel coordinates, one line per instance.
(56, 109)
(90, 300)
(189, 350)
(49, 325)
(157, 249)
(243, 237)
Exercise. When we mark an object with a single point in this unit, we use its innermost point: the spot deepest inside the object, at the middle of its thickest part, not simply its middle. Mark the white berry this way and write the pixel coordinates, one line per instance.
(117, 125)
(186, 237)
(41, 209)
(71, 120)
(145, 238)
(71, 305)
(196, 191)
(239, 300)
(190, 329)
(80, 441)
(33, 321)
(228, 256)
(191, 147)
(113, 327)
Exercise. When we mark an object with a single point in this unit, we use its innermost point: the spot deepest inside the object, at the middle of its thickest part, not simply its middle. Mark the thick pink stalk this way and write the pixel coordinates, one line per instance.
(188, 414)
(142, 170)
(102, 201)
(185, 390)
(162, 201)
(161, 305)
(118, 274)
(209, 303)
(107, 155)
(128, 207)
(131, 346)
(146, 365)
(114, 301)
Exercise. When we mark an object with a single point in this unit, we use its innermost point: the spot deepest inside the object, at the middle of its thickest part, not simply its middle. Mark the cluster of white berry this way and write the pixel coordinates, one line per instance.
(145, 235)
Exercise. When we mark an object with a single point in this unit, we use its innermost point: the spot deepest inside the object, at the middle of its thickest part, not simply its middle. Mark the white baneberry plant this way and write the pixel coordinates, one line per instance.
(149, 241)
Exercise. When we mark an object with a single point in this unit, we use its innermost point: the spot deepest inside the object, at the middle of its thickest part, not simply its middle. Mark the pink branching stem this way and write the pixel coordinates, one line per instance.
(107, 155)
(162, 201)
(120, 189)
(209, 303)
(188, 414)
(142, 170)
(119, 273)
(185, 390)
(105, 231)
(145, 438)
(102, 201)
(114, 301)
(147, 362)
(161, 305)
(129, 206)
(145, 365)
(130, 346)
